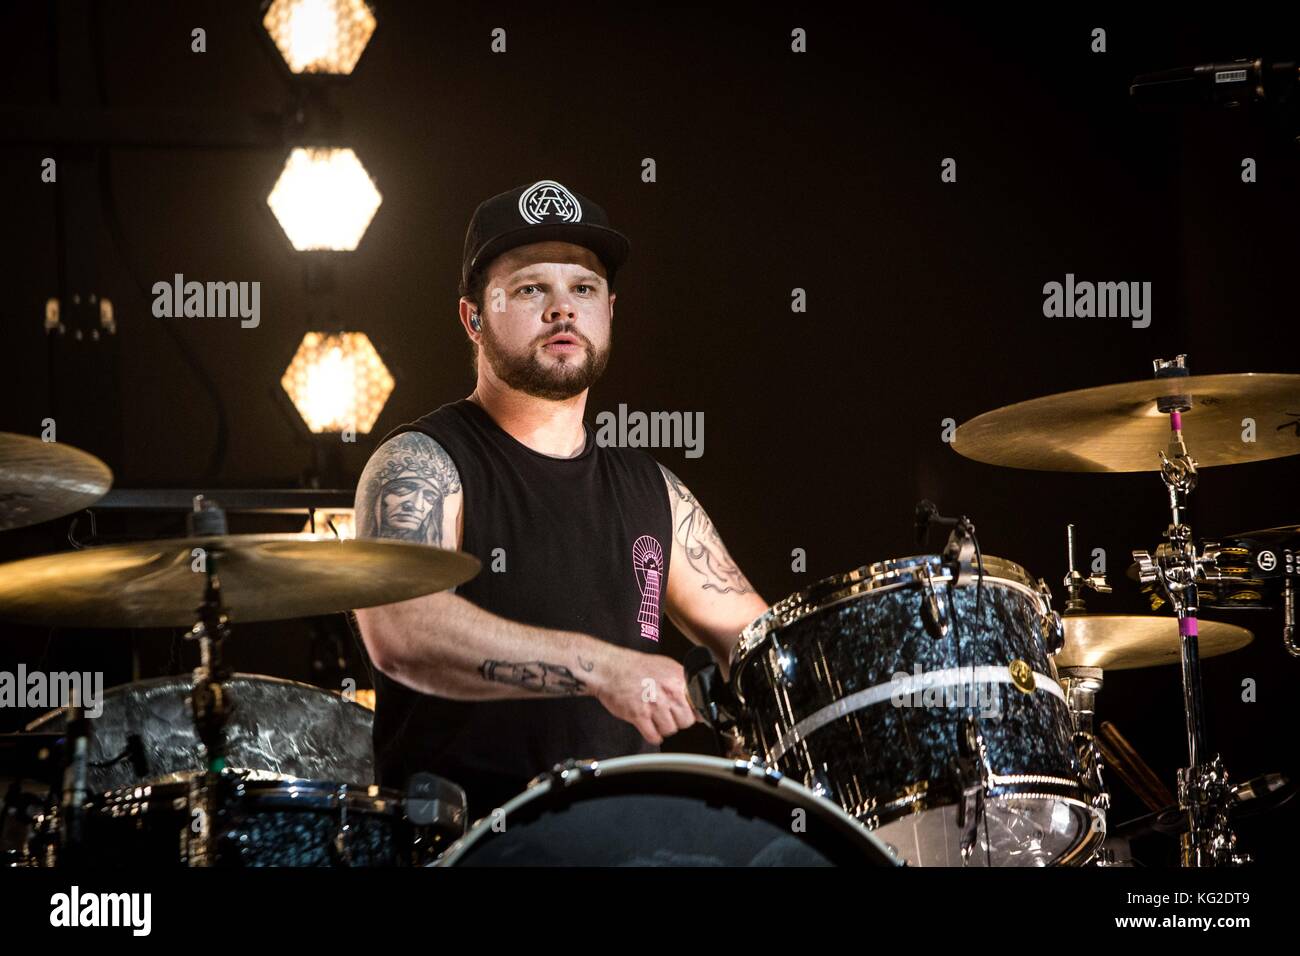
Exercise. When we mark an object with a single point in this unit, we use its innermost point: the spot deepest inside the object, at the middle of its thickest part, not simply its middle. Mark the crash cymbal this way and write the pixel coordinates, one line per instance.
(1123, 641)
(42, 480)
(264, 577)
(1118, 427)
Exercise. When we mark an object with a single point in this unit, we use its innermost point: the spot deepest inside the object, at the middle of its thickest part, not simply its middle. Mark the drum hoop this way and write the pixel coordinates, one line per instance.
(754, 775)
(280, 789)
(881, 577)
(184, 681)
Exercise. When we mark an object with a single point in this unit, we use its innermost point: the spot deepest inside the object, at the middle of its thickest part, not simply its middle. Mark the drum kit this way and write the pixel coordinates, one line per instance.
(941, 700)
(932, 710)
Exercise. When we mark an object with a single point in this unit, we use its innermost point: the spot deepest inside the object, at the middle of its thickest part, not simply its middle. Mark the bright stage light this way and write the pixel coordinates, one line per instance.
(337, 381)
(324, 199)
(320, 36)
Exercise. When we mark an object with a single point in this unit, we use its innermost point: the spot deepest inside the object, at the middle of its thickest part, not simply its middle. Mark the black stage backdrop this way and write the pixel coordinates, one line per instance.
(774, 171)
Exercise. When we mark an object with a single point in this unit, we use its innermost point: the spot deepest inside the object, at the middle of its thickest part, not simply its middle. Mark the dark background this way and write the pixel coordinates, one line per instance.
(775, 171)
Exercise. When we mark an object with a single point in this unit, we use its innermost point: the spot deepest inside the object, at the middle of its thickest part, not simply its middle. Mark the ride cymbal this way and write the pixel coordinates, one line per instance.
(1118, 428)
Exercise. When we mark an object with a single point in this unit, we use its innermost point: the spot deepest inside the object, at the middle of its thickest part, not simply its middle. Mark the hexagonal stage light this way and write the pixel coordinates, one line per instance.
(324, 199)
(320, 36)
(337, 381)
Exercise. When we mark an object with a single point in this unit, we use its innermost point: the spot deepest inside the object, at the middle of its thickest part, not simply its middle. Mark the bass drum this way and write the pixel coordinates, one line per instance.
(667, 810)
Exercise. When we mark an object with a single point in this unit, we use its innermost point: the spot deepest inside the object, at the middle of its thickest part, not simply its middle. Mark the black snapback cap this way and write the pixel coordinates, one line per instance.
(544, 211)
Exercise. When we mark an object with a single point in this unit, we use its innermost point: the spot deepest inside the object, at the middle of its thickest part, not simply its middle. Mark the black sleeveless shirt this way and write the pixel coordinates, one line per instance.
(579, 544)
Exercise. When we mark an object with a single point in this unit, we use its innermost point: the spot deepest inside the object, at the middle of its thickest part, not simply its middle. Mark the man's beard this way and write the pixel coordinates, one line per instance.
(554, 382)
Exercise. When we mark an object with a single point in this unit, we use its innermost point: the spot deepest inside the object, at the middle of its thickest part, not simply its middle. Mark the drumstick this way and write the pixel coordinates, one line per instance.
(1120, 755)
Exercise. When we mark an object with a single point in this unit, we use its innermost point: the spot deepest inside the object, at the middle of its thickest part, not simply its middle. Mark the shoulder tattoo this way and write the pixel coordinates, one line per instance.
(403, 489)
(700, 542)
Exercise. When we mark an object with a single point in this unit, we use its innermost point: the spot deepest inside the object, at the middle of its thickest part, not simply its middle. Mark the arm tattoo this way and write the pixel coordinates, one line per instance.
(402, 490)
(699, 539)
(534, 675)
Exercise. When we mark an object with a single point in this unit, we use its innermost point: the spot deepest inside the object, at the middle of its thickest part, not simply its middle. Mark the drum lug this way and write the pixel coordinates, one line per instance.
(1051, 625)
(756, 767)
(819, 784)
(974, 774)
(1090, 764)
(785, 664)
(933, 616)
(1053, 632)
(342, 842)
(571, 771)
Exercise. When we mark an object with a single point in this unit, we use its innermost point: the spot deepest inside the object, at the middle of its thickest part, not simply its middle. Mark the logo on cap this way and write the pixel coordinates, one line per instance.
(548, 200)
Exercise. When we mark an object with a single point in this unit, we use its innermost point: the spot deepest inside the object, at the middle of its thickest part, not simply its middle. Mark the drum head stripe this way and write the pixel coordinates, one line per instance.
(903, 686)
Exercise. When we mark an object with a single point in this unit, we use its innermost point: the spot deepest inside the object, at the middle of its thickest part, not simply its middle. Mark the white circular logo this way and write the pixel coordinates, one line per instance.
(1267, 560)
(548, 201)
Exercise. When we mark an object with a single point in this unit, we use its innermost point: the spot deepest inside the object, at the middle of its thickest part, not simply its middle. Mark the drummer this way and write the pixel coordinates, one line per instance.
(555, 650)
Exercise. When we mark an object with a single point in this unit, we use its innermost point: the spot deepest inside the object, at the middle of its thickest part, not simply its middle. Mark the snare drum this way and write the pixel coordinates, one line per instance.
(956, 748)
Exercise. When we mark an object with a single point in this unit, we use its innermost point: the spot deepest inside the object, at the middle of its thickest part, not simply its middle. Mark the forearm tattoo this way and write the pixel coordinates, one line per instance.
(402, 490)
(699, 539)
(537, 676)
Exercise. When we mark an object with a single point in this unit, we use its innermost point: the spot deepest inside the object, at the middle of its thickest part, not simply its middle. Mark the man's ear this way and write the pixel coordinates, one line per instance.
(467, 308)
(612, 297)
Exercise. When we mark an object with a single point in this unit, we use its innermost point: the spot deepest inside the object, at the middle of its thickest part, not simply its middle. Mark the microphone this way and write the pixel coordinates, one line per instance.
(1226, 83)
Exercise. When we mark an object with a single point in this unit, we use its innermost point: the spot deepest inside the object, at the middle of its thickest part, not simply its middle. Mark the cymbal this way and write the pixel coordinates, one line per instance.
(264, 577)
(1117, 427)
(1124, 641)
(42, 480)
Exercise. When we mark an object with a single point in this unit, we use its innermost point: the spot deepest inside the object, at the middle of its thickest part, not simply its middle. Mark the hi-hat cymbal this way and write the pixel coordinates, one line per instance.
(264, 577)
(1118, 427)
(1119, 642)
(42, 480)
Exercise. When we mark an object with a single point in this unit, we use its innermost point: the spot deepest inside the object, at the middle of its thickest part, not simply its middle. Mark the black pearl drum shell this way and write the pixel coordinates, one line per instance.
(815, 677)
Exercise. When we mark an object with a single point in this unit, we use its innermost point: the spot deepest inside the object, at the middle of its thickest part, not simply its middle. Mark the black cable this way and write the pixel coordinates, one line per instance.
(73, 540)
(113, 222)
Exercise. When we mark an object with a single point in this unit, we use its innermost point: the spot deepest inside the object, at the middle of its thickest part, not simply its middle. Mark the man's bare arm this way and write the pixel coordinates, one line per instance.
(708, 597)
(443, 644)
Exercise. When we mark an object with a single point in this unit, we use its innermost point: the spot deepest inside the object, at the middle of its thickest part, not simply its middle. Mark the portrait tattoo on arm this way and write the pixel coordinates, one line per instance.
(699, 539)
(402, 490)
(537, 676)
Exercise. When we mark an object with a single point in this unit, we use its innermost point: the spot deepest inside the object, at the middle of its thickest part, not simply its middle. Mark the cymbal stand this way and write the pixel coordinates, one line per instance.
(1204, 794)
(208, 704)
